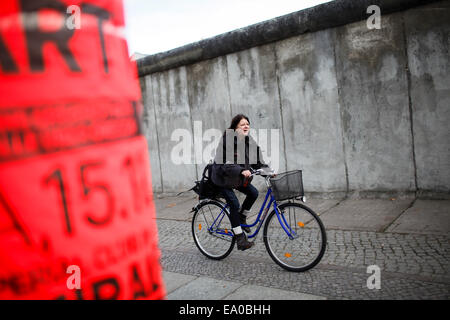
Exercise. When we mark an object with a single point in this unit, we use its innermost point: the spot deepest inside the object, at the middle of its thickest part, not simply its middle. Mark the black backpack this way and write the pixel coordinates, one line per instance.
(205, 188)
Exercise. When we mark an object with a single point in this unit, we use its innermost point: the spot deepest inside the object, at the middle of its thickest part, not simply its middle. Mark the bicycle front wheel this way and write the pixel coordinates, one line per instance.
(296, 238)
(212, 231)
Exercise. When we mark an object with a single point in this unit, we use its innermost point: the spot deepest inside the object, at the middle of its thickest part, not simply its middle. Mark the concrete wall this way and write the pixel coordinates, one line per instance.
(359, 110)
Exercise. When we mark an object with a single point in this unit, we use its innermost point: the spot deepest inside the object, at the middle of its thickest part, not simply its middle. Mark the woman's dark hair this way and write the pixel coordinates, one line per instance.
(236, 119)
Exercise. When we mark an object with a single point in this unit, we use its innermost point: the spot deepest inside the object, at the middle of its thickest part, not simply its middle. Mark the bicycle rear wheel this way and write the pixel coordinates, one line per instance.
(212, 231)
(301, 244)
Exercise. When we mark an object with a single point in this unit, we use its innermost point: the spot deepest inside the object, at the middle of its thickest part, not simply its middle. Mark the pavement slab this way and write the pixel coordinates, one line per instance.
(179, 285)
(253, 292)
(204, 288)
(175, 207)
(425, 217)
(174, 280)
(364, 214)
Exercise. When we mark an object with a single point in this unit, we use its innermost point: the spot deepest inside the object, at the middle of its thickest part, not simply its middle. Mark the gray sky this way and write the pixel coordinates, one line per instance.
(154, 26)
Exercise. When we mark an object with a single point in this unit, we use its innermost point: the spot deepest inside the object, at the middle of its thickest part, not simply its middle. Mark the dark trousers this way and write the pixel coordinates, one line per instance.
(252, 194)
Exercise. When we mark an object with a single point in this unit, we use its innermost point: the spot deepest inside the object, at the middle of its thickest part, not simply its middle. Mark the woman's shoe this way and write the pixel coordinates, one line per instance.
(242, 242)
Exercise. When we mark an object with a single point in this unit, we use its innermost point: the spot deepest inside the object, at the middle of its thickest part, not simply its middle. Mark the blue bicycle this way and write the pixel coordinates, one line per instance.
(294, 235)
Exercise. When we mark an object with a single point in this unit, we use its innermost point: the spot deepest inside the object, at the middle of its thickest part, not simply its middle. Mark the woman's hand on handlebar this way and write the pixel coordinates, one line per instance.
(246, 173)
(263, 172)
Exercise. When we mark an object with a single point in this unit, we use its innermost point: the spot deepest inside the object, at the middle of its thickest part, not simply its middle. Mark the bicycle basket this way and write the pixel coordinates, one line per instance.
(287, 185)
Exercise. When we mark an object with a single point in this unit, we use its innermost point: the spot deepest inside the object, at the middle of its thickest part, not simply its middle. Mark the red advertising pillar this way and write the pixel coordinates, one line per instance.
(77, 217)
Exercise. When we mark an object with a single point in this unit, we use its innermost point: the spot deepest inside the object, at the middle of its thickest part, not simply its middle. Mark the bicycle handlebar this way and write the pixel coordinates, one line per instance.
(262, 172)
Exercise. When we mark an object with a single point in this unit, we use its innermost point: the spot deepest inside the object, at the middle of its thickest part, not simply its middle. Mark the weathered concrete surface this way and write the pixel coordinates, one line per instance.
(254, 92)
(173, 281)
(204, 288)
(187, 287)
(209, 102)
(328, 15)
(428, 48)
(150, 132)
(172, 112)
(363, 112)
(310, 109)
(424, 217)
(365, 214)
(175, 208)
(253, 292)
(374, 106)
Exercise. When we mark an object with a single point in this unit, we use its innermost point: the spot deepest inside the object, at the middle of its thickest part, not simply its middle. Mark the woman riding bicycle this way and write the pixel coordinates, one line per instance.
(236, 154)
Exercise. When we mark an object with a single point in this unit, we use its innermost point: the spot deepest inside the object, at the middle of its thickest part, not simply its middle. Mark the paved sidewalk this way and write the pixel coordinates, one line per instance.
(407, 238)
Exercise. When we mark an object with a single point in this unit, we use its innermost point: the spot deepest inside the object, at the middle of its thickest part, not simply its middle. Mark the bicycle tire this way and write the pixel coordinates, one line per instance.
(213, 244)
(283, 250)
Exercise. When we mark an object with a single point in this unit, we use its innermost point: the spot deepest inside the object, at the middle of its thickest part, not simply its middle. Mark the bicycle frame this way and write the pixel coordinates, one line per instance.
(264, 210)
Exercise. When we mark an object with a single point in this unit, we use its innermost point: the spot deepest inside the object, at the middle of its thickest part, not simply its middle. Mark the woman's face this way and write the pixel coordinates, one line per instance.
(243, 127)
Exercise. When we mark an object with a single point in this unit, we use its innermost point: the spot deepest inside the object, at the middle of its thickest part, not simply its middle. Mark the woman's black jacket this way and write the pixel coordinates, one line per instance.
(227, 167)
